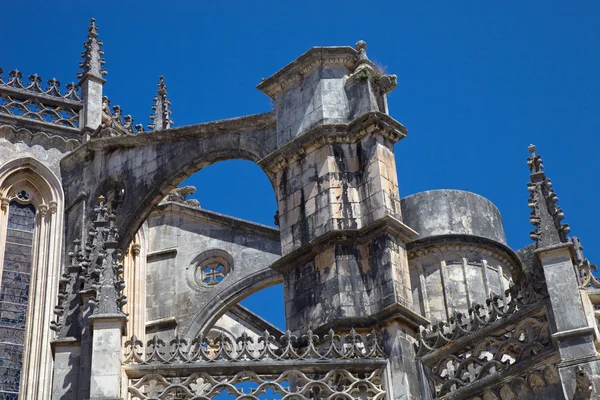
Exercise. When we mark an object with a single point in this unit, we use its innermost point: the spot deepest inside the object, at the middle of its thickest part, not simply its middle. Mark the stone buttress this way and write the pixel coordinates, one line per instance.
(342, 237)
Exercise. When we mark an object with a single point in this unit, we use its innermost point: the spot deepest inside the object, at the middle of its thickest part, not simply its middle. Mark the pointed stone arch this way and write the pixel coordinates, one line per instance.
(46, 195)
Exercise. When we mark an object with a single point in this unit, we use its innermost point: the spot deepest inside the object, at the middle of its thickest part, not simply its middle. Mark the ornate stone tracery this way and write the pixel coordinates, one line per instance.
(31, 101)
(298, 379)
(336, 383)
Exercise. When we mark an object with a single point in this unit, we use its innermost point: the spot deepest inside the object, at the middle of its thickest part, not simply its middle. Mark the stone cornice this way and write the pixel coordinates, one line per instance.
(393, 312)
(47, 140)
(372, 123)
(294, 72)
(387, 224)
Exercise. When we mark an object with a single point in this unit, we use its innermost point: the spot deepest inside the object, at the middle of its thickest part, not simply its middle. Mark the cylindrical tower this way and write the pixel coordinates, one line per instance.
(461, 256)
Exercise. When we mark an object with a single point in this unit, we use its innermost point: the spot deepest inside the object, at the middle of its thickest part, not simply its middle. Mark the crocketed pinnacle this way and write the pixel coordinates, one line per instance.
(160, 118)
(546, 215)
(92, 56)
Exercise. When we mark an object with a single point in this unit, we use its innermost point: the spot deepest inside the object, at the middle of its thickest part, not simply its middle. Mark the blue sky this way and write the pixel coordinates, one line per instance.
(477, 83)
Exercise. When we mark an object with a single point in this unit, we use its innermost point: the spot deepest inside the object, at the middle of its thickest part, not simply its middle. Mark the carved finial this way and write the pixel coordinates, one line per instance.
(160, 118)
(546, 215)
(361, 48)
(92, 56)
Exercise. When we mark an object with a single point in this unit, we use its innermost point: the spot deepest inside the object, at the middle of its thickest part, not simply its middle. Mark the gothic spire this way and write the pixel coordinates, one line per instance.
(160, 118)
(92, 56)
(546, 215)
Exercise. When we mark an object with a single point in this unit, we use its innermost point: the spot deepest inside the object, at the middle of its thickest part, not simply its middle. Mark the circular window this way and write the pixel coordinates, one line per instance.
(212, 267)
(213, 273)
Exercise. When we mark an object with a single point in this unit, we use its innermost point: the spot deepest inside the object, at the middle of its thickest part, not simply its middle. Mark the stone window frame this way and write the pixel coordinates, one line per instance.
(46, 195)
(205, 259)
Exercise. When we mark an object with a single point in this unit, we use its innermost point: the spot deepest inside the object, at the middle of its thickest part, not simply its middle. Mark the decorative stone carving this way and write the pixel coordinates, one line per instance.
(288, 347)
(160, 118)
(95, 269)
(529, 292)
(546, 215)
(112, 125)
(335, 384)
(180, 195)
(584, 387)
(93, 62)
(585, 268)
(36, 103)
(524, 385)
(491, 355)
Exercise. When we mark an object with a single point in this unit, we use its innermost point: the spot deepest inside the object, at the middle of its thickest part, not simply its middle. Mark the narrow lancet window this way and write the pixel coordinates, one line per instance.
(14, 295)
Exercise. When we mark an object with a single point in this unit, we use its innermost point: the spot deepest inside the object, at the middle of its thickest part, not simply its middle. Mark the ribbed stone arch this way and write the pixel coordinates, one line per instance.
(48, 200)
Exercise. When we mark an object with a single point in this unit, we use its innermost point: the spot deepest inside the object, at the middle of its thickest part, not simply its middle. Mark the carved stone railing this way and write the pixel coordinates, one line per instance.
(504, 338)
(530, 291)
(336, 366)
(496, 342)
(245, 348)
(45, 105)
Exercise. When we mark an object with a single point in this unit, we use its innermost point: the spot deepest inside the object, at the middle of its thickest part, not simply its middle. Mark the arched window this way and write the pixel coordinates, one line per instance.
(31, 217)
(14, 292)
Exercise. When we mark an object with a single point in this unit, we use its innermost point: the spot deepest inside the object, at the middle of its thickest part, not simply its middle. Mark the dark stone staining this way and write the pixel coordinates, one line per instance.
(528, 258)
(304, 224)
(345, 177)
(381, 252)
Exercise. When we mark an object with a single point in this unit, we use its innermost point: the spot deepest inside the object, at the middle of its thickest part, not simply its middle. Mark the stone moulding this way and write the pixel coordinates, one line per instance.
(250, 123)
(294, 72)
(321, 135)
(46, 140)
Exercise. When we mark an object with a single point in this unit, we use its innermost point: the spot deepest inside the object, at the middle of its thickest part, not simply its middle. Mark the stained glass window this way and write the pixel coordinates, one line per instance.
(14, 295)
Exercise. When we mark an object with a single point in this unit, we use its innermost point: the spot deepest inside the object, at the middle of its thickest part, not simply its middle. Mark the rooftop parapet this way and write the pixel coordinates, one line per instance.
(27, 102)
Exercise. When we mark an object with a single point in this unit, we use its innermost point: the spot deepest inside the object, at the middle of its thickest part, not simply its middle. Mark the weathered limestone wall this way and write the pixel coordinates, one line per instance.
(336, 187)
(21, 143)
(451, 278)
(181, 241)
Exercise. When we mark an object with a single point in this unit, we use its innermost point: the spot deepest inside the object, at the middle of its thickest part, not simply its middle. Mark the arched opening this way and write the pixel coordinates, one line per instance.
(209, 244)
(31, 202)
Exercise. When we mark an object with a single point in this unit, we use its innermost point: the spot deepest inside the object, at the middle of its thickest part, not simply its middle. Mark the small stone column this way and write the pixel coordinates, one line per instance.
(105, 382)
(342, 237)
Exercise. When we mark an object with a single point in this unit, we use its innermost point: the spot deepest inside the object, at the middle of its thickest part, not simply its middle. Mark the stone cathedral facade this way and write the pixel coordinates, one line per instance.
(115, 285)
